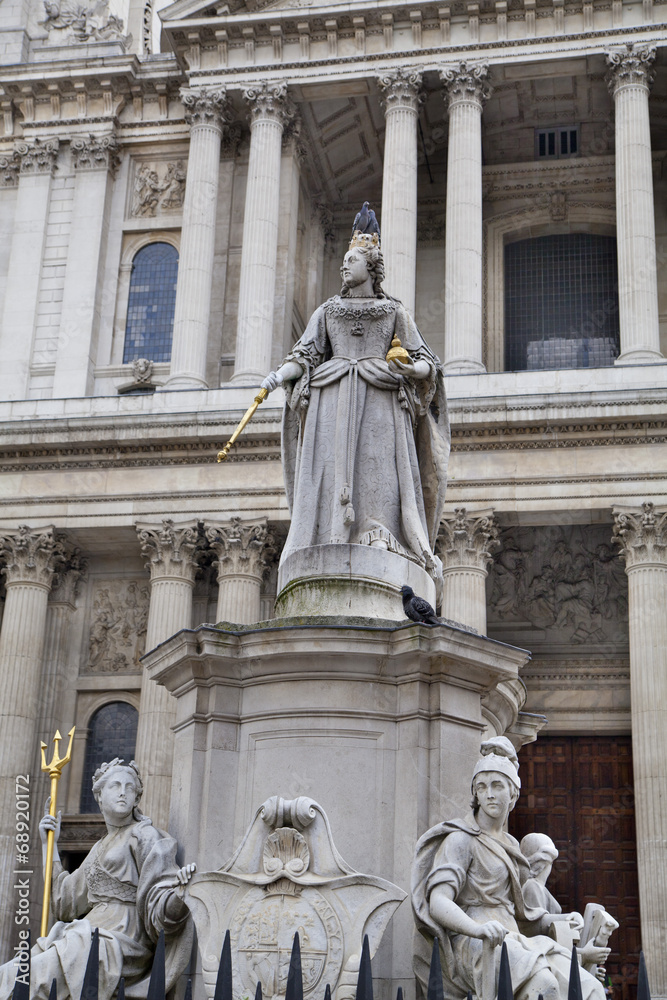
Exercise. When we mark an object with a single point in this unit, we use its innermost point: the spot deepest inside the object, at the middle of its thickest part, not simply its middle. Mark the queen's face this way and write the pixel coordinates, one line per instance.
(118, 796)
(494, 794)
(354, 270)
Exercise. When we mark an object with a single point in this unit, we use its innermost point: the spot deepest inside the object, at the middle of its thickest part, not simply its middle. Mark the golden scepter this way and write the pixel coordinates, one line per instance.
(54, 769)
(259, 398)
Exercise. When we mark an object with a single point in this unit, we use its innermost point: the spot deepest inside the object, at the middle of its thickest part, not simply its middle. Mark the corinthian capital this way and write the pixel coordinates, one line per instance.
(401, 89)
(38, 157)
(467, 82)
(243, 548)
(170, 550)
(641, 534)
(206, 107)
(95, 152)
(630, 65)
(269, 102)
(467, 540)
(31, 556)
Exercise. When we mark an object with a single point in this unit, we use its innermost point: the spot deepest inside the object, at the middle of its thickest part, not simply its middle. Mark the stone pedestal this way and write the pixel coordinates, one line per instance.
(242, 549)
(348, 580)
(465, 543)
(399, 183)
(466, 89)
(169, 551)
(630, 77)
(206, 113)
(642, 535)
(380, 724)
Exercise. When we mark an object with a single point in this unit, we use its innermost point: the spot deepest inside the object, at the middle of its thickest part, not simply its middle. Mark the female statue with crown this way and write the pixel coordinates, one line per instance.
(468, 882)
(365, 436)
(129, 886)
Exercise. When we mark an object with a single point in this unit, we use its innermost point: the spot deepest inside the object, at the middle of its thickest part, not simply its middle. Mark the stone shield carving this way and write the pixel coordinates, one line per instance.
(287, 877)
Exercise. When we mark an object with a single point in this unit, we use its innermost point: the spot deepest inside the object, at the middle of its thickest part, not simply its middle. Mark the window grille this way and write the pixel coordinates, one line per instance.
(561, 302)
(112, 733)
(150, 308)
(556, 143)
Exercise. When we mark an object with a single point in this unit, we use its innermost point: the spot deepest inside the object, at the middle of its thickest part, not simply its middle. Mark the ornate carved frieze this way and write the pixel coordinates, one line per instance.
(243, 548)
(206, 107)
(39, 156)
(468, 82)
(69, 21)
(117, 636)
(269, 101)
(641, 535)
(95, 152)
(31, 556)
(158, 188)
(170, 550)
(630, 65)
(401, 89)
(467, 539)
(557, 585)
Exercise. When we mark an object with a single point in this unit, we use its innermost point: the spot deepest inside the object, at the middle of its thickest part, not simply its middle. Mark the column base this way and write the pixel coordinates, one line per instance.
(183, 380)
(464, 366)
(640, 356)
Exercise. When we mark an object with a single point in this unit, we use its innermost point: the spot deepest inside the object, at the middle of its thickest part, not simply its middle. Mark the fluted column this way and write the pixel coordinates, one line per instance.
(206, 112)
(270, 110)
(642, 536)
(30, 558)
(170, 553)
(95, 159)
(465, 545)
(243, 550)
(399, 183)
(629, 78)
(17, 325)
(466, 88)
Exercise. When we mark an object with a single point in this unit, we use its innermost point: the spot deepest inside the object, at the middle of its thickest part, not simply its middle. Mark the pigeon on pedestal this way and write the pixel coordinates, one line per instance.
(417, 608)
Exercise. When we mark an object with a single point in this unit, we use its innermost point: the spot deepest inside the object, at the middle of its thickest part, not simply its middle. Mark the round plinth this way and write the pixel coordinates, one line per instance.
(348, 580)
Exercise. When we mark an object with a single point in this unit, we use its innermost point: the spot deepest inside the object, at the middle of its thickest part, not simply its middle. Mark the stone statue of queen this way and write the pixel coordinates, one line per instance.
(365, 440)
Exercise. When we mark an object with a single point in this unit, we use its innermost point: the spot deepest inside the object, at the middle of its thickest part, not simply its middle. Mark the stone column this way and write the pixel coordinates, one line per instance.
(243, 550)
(30, 558)
(95, 159)
(206, 112)
(629, 78)
(270, 110)
(642, 536)
(465, 545)
(17, 330)
(170, 553)
(399, 183)
(466, 88)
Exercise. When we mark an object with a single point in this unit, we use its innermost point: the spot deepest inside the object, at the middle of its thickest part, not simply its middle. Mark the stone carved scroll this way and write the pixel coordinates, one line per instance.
(565, 582)
(287, 876)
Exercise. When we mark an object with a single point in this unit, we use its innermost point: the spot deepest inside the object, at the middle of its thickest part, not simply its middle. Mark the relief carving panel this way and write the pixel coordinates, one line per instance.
(117, 634)
(559, 585)
(158, 188)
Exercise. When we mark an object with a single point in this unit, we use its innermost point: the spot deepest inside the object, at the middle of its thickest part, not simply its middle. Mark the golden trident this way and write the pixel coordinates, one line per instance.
(54, 769)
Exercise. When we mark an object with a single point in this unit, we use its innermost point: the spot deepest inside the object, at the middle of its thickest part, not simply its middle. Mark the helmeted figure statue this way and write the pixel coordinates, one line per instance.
(468, 884)
(365, 440)
(129, 886)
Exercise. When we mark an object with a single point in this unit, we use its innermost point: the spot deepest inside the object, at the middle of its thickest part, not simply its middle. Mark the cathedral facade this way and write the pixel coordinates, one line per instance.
(177, 188)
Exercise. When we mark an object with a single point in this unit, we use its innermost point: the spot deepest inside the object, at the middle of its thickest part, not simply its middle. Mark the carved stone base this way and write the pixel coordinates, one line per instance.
(348, 580)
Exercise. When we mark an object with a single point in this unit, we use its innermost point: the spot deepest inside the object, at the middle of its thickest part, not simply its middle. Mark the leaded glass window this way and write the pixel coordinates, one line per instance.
(561, 302)
(150, 308)
(112, 733)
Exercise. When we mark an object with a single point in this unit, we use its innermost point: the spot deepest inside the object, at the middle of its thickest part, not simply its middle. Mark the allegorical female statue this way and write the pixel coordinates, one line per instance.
(468, 884)
(129, 886)
(365, 441)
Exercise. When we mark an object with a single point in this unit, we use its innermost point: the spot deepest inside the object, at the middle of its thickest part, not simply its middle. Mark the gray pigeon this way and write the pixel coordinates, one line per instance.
(417, 608)
(365, 221)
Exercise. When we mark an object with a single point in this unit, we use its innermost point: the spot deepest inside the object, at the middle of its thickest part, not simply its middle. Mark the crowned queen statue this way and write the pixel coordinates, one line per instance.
(365, 449)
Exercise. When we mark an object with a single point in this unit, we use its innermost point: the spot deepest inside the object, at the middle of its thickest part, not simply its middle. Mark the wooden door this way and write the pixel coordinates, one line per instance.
(579, 791)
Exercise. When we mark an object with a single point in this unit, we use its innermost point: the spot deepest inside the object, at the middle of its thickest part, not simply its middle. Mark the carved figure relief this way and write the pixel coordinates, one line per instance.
(158, 187)
(118, 627)
(71, 21)
(564, 581)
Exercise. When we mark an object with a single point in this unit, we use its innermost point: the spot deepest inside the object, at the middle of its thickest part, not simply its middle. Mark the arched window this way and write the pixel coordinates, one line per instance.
(561, 302)
(150, 308)
(112, 733)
